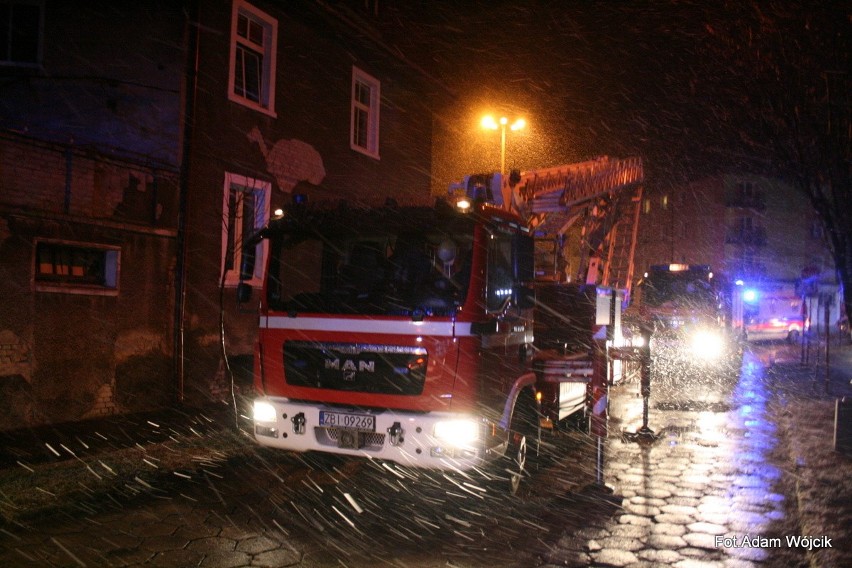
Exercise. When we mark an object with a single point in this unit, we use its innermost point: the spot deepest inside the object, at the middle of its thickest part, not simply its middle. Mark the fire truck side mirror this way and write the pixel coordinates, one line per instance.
(523, 294)
(523, 297)
(524, 258)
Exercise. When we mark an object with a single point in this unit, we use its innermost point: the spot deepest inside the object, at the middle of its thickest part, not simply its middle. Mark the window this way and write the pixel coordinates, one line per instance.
(254, 39)
(76, 268)
(20, 33)
(245, 211)
(816, 229)
(365, 113)
(745, 189)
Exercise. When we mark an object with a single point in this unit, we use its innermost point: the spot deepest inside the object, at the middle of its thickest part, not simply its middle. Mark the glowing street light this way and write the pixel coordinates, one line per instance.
(490, 123)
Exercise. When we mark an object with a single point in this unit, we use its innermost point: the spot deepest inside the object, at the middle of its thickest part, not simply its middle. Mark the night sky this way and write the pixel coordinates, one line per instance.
(693, 87)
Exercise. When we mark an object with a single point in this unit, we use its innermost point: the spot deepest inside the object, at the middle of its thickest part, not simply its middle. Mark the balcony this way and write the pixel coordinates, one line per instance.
(746, 237)
(755, 202)
(749, 270)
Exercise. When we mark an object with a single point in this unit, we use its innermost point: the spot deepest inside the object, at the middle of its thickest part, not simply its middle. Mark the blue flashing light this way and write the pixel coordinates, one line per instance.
(750, 295)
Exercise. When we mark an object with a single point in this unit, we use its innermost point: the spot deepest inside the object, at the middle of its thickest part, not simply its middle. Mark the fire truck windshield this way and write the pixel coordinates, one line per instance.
(678, 289)
(414, 265)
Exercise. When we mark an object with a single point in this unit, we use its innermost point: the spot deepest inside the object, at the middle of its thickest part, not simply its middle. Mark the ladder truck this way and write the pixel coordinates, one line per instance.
(406, 334)
(584, 218)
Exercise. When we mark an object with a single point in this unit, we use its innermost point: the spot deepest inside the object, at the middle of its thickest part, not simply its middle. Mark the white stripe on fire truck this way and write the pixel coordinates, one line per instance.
(433, 328)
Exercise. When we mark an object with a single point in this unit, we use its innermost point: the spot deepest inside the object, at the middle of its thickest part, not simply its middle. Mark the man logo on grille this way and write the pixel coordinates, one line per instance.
(351, 368)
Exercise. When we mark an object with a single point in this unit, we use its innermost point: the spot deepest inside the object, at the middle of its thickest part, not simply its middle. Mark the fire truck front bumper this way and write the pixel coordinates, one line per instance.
(434, 440)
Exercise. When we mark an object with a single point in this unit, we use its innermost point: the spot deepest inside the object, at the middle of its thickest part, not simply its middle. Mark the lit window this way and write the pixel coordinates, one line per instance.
(76, 268)
(816, 229)
(20, 33)
(245, 211)
(365, 113)
(254, 38)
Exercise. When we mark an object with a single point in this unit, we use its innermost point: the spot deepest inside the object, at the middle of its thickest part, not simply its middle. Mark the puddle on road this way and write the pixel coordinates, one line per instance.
(707, 474)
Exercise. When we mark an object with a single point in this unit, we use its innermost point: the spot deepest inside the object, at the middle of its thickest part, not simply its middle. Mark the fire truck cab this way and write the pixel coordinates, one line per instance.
(407, 333)
(399, 333)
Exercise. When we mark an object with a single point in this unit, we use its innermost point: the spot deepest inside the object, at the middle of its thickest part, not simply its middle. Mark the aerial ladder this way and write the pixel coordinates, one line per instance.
(585, 216)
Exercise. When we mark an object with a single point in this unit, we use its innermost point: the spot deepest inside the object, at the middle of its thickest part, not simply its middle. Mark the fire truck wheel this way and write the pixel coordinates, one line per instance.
(527, 421)
(524, 444)
(516, 461)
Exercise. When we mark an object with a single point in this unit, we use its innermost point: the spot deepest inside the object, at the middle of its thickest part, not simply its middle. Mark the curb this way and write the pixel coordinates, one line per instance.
(820, 478)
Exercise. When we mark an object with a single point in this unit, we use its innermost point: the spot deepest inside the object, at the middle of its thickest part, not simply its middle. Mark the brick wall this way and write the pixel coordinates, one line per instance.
(63, 179)
(14, 355)
(69, 350)
(104, 403)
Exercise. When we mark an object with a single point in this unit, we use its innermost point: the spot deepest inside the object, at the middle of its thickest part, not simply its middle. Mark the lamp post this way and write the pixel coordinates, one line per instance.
(490, 123)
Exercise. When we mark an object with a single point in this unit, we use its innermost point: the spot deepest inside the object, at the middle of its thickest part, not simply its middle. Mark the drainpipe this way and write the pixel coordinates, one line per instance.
(189, 99)
(69, 166)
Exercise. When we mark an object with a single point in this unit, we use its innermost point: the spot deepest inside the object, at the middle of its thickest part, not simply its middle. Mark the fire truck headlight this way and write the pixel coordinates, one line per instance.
(457, 432)
(264, 412)
(707, 345)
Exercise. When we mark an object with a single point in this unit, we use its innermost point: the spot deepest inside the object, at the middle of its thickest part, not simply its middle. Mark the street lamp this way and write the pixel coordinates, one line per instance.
(491, 124)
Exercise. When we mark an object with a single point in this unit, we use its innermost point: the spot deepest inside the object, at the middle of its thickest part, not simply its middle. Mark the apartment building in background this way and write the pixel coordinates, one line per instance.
(751, 228)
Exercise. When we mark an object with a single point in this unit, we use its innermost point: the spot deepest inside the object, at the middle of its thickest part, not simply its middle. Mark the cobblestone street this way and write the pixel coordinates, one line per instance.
(715, 487)
(706, 484)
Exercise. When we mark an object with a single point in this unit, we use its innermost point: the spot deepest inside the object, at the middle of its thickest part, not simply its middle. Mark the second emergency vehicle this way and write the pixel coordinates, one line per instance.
(696, 316)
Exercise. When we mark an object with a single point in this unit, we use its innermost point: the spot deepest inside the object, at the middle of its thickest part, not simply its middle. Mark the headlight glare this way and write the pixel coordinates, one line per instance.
(457, 432)
(264, 412)
(707, 345)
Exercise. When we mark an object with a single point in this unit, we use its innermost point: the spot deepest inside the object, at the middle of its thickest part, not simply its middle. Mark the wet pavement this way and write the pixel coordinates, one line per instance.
(704, 492)
(54, 443)
(739, 482)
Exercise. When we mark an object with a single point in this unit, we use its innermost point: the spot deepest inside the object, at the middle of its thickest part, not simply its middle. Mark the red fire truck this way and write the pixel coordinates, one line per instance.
(407, 333)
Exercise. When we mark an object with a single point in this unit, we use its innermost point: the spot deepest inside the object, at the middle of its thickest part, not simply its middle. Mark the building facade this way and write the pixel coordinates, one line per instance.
(140, 144)
(752, 228)
(89, 135)
(291, 98)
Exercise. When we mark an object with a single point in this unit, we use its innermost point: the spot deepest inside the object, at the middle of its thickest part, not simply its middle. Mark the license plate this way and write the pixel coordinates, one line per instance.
(363, 422)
